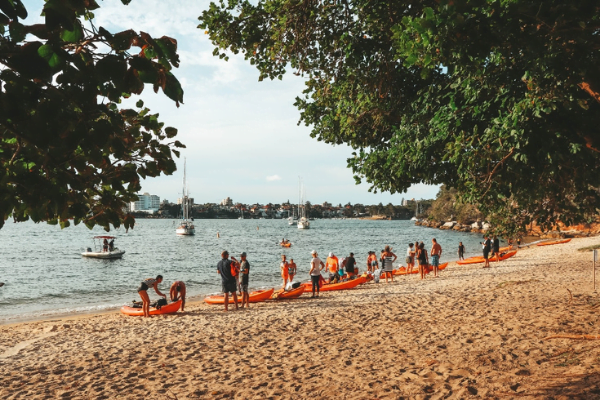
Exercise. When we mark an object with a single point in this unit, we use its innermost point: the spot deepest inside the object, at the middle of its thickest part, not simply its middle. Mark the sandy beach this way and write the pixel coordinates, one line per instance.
(472, 333)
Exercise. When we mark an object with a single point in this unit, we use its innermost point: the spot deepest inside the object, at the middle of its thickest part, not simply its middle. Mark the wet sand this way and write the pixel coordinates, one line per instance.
(472, 333)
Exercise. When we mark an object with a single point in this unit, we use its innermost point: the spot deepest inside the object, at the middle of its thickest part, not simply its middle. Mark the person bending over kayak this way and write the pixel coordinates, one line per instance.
(143, 292)
(316, 266)
(178, 289)
(333, 265)
(351, 268)
(228, 282)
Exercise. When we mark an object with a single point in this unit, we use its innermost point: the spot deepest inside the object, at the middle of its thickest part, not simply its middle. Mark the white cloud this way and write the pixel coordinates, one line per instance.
(273, 178)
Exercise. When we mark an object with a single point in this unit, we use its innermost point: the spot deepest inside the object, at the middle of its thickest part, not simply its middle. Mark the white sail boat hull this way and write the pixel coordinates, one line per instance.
(186, 227)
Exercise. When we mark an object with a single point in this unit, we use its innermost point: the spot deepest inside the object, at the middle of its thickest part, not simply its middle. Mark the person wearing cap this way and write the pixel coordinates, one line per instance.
(244, 278)
(316, 266)
(333, 265)
(178, 289)
(291, 270)
(228, 282)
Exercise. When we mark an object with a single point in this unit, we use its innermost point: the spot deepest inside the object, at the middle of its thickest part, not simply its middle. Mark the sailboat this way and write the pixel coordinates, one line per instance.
(303, 219)
(186, 227)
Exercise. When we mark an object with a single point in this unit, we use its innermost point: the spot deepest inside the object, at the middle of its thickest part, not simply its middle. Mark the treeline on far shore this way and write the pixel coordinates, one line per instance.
(281, 211)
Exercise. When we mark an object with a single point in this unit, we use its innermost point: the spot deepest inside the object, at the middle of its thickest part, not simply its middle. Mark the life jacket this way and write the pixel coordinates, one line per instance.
(234, 269)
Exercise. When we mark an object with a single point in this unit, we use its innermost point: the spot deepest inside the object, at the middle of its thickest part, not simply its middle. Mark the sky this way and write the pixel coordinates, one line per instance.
(242, 136)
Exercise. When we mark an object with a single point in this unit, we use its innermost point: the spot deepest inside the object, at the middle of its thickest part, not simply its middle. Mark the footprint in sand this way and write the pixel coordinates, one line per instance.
(21, 345)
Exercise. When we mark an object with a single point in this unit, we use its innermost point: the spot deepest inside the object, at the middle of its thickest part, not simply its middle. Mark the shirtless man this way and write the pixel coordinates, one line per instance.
(178, 287)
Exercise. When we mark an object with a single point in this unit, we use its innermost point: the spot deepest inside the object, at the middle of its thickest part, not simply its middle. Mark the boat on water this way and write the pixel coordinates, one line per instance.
(186, 226)
(303, 222)
(106, 250)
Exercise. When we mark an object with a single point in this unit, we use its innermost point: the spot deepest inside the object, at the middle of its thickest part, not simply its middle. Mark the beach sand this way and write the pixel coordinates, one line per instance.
(472, 333)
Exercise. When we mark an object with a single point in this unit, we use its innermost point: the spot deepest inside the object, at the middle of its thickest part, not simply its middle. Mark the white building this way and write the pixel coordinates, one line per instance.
(227, 202)
(147, 202)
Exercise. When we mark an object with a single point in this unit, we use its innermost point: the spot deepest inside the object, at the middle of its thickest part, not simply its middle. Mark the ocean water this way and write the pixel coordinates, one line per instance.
(45, 274)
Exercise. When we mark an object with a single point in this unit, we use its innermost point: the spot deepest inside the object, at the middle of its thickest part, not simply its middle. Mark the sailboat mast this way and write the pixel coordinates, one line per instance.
(184, 194)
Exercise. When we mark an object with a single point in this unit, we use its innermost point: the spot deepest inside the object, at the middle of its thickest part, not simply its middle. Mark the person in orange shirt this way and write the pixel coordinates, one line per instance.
(333, 265)
(284, 270)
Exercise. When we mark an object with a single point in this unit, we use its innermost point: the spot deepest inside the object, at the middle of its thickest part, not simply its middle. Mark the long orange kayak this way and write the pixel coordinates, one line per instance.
(554, 242)
(290, 294)
(480, 259)
(336, 286)
(171, 308)
(415, 270)
(286, 244)
(254, 297)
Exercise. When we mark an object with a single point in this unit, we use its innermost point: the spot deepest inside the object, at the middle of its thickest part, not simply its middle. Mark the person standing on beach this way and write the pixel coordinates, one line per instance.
(388, 263)
(316, 266)
(496, 248)
(410, 258)
(228, 282)
(461, 251)
(178, 289)
(333, 265)
(244, 279)
(350, 263)
(284, 270)
(436, 253)
(487, 246)
(422, 259)
(143, 292)
(291, 270)
(372, 262)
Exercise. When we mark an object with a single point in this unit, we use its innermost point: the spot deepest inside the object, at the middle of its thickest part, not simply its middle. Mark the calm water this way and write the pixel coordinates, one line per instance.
(44, 272)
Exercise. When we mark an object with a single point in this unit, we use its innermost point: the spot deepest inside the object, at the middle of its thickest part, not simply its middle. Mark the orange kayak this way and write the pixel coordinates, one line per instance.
(480, 259)
(554, 242)
(286, 244)
(254, 297)
(336, 286)
(290, 294)
(171, 308)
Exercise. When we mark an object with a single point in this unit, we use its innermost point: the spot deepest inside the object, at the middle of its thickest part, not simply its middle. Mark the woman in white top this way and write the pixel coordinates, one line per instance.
(410, 258)
(316, 266)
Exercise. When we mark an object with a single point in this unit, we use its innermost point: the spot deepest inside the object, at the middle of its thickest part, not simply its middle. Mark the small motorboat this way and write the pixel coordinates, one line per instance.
(106, 250)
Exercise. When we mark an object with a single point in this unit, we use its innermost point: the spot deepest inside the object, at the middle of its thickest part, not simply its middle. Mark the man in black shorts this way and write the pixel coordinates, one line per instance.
(350, 266)
(244, 278)
(228, 282)
(487, 246)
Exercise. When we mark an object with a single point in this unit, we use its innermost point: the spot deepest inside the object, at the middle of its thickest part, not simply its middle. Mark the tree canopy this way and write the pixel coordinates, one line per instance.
(498, 99)
(68, 150)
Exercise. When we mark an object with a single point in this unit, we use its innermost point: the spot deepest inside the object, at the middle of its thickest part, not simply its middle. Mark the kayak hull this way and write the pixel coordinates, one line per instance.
(554, 242)
(170, 308)
(480, 259)
(336, 286)
(285, 244)
(254, 297)
(290, 294)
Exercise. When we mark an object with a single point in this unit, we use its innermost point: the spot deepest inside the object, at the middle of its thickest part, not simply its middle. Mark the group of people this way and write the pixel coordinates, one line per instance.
(176, 292)
(108, 246)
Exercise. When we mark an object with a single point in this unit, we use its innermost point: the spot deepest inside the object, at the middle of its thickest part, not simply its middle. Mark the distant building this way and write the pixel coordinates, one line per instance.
(147, 202)
(408, 202)
(227, 202)
(190, 200)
